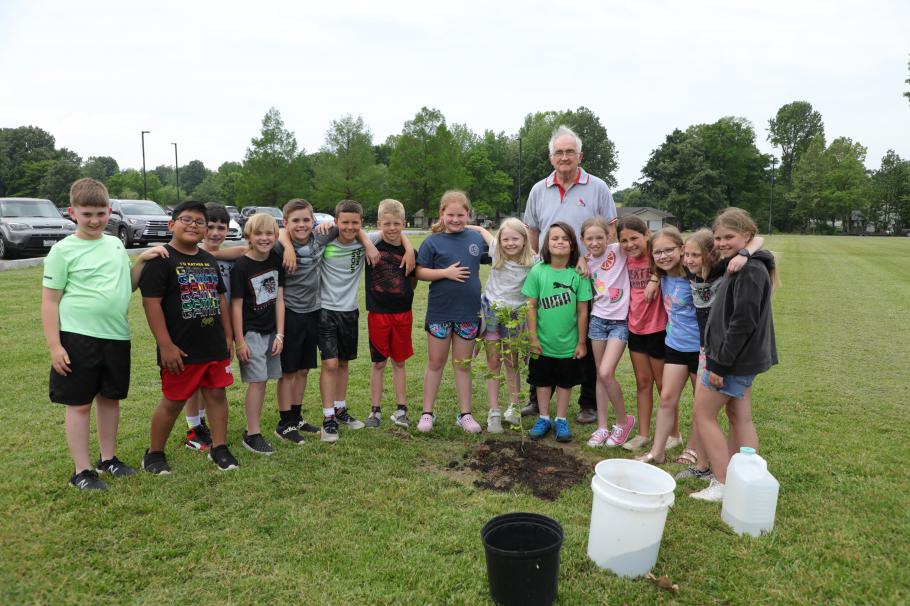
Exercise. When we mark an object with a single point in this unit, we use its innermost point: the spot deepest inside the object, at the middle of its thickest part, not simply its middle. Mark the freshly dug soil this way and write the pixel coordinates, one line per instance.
(544, 470)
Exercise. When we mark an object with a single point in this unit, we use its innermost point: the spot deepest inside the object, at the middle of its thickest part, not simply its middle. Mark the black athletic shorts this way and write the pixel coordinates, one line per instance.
(652, 344)
(682, 358)
(98, 367)
(301, 336)
(338, 332)
(561, 372)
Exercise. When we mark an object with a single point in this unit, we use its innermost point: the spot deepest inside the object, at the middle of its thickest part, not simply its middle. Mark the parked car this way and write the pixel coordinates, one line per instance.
(235, 232)
(30, 226)
(233, 213)
(138, 222)
(249, 211)
(323, 218)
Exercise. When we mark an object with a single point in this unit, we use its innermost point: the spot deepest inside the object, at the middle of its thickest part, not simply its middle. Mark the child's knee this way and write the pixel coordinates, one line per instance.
(398, 365)
(379, 365)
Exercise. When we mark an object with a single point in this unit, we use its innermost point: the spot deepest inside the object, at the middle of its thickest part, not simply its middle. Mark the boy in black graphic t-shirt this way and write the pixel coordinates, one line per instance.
(183, 297)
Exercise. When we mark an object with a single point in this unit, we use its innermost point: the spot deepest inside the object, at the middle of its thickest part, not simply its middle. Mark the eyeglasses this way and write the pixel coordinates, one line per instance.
(565, 153)
(664, 252)
(187, 221)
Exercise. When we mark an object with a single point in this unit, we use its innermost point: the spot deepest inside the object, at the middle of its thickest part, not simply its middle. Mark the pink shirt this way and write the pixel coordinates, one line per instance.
(610, 283)
(644, 318)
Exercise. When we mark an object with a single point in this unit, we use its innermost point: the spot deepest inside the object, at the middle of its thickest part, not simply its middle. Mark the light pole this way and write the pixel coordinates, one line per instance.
(177, 172)
(145, 181)
(518, 201)
(771, 201)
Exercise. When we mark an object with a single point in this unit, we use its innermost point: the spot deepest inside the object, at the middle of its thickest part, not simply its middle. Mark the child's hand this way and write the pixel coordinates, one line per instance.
(534, 346)
(277, 345)
(156, 251)
(372, 253)
(230, 349)
(456, 272)
(581, 268)
(581, 350)
(408, 261)
(172, 358)
(736, 263)
(715, 379)
(289, 259)
(651, 290)
(243, 353)
(60, 360)
(324, 227)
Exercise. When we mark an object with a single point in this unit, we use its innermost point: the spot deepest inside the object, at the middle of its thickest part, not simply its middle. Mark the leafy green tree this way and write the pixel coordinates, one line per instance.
(890, 200)
(491, 189)
(792, 129)
(274, 171)
(729, 148)
(166, 174)
(803, 203)
(100, 168)
(846, 181)
(55, 185)
(127, 184)
(220, 186)
(28, 178)
(192, 175)
(426, 162)
(346, 167)
(22, 151)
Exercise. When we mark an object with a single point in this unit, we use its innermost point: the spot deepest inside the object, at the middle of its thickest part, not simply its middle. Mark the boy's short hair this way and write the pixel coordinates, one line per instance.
(88, 192)
(391, 207)
(295, 205)
(348, 206)
(217, 212)
(191, 205)
(260, 222)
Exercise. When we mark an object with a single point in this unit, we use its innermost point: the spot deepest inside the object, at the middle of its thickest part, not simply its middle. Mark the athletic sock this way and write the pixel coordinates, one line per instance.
(339, 404)
(297, 410)
(328, 413)
(286, 416)
(544, 417)
(375, 409)
(560, 418)
(202, 413)
(192, 421)
(403, 407)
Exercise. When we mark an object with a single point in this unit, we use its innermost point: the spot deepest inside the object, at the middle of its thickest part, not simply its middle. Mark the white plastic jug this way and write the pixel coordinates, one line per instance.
(750, 496)
(628, 513)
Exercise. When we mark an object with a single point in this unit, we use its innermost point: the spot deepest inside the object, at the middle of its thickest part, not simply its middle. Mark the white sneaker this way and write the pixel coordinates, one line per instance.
(494, 421)
(714, 492)
(673, 442)
(513, 415)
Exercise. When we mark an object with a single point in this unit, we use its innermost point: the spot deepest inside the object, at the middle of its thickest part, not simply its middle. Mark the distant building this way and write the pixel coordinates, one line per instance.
(655, 219)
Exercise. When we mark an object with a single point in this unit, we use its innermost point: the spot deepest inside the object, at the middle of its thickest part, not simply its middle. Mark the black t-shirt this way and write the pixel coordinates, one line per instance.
(257, 283)
(189, 287)
(388, 290)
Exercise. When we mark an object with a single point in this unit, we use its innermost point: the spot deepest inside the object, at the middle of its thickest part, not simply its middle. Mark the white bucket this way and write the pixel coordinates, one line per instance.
(628, 515)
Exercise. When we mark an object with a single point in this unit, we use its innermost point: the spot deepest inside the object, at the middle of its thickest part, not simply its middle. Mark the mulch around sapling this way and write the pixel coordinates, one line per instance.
(544, 470)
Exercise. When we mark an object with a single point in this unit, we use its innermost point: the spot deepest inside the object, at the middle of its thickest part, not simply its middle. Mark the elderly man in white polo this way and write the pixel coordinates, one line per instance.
(571, 195)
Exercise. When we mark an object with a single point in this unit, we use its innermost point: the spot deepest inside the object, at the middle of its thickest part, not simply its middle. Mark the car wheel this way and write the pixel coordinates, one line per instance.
(5, 252)
(124, 236)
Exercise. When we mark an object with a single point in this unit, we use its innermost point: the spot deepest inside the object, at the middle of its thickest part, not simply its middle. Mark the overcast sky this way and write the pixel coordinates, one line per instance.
(203, 74)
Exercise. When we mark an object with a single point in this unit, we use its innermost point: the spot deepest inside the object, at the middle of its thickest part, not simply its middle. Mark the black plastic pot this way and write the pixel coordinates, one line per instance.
(522, 558)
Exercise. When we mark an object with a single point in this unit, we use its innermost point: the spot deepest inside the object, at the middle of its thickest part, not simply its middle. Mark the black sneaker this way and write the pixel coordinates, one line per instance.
(256, 443)
(206, 433)
(87, 479)
(155, 463)
(198, 438)
(289, 432)
(347, 420)
(115, 467)
(329, 430)
(304, 426)
(223, 458)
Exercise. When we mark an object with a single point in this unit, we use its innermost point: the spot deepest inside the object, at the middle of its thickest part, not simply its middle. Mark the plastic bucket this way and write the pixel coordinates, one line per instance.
(627, 515)
(522, 558)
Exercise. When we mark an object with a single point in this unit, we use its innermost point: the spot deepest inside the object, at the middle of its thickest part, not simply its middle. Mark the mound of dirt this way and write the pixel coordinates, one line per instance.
(544, 470)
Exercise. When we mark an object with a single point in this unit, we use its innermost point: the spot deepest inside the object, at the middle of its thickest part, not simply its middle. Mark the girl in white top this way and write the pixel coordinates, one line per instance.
(503, 304)
(608, 327)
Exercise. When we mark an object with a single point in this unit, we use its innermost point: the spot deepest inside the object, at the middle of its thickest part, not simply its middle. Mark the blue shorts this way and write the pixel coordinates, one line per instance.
(600, 329)
(734, 386)
(466, 330)
(493, 329)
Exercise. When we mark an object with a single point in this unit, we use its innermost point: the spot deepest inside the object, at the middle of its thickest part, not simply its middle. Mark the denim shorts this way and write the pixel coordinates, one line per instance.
(734, 386)
(600, 329)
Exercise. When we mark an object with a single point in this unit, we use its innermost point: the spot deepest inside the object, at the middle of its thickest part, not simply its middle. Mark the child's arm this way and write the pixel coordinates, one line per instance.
(652, 289)
(50, 318)
(582, 312)
(279, 323)
(533, 342)
(581, 268)
(453, 272)
(226, 324)
(171, 355)
(231, 253)
(243, 352)
(289, 259)
(408, 261)
(487, 236)
(736, 263)
(369, 249)
(146, 255)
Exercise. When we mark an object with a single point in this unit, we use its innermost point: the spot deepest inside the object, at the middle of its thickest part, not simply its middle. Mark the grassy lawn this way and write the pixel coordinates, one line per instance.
(377, 519)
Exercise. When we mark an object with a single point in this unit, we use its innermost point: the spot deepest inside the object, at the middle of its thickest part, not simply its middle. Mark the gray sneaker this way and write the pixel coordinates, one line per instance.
(693, 472)
(344, 417)
(373, 420)
(530, 410)
(513, 415)
(586, 416)
(400, 418)
(494, 422)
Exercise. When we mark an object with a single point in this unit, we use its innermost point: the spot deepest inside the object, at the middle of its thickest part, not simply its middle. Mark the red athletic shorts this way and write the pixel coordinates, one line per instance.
(390, 336)
(211, 375)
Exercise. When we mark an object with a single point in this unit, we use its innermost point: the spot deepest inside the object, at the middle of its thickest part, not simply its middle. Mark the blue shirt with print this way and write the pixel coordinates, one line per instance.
(682, 323)
(452, 301)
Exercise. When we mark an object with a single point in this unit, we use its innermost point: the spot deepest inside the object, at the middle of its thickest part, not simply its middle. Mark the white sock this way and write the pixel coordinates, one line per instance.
(328, 412)
(201, 413)
(560, 418)
(341, 404)
(192, 421)
(544, 417)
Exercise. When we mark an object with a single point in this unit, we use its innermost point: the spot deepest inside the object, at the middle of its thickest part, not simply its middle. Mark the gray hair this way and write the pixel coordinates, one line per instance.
(559, 132)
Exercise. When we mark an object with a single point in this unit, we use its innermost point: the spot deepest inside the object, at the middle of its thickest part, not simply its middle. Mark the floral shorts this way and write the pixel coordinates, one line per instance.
(466, 330)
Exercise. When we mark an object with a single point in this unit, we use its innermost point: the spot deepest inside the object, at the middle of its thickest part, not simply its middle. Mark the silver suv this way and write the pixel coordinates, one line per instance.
(30, 226)
(138, 222)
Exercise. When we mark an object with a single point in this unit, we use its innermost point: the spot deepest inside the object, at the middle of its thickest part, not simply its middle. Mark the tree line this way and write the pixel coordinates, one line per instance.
(814, 186)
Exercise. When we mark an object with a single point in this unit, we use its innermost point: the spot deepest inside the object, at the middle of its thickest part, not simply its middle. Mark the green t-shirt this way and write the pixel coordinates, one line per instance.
(558, 292)
(94, 276)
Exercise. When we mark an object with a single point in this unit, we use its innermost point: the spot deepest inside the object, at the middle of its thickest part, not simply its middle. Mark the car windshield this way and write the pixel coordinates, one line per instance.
(270, 210)
(29, 208)
(141, 208)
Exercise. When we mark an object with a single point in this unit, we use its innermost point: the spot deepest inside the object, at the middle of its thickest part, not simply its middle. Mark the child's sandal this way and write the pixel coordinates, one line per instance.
(687, 457)
(651, 459)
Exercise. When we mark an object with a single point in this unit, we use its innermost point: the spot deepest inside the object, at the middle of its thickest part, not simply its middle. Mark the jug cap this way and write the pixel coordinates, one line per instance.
(746, 450)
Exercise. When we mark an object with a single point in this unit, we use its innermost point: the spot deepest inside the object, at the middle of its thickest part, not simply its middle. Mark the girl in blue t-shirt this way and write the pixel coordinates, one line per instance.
(450, 260)
(682, 342)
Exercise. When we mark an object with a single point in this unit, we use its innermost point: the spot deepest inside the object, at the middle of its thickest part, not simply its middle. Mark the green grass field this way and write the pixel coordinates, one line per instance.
(376, 519)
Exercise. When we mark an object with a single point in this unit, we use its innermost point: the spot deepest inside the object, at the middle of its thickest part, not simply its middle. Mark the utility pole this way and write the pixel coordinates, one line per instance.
(145, 181)
(771, 201)
(177, 172)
